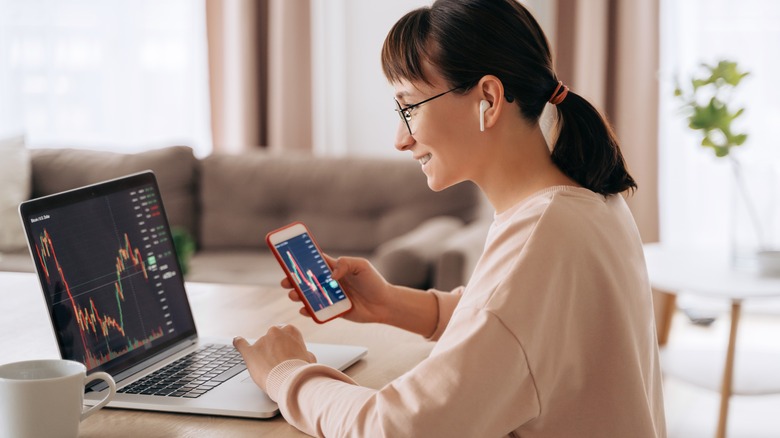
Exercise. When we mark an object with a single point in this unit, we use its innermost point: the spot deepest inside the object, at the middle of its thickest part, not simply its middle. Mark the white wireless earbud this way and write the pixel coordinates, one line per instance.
(483, 106)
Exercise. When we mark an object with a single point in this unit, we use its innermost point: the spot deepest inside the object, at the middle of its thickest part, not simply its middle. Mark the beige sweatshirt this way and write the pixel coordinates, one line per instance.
(553, 336)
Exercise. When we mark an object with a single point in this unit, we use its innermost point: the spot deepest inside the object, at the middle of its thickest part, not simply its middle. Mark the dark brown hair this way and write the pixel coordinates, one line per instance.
(468, 39)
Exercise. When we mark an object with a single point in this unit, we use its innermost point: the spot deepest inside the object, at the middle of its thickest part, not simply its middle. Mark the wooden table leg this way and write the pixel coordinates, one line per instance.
(728, 370)
(665, 305)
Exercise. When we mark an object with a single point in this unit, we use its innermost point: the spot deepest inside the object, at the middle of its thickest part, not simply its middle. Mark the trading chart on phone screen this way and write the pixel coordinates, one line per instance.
(310, 271)
(110, 275)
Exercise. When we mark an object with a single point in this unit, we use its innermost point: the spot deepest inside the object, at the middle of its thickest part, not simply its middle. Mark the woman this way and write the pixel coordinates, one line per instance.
(554, 334)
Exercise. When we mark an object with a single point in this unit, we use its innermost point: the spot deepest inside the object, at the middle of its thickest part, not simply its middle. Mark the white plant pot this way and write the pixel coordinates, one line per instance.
(755, 211)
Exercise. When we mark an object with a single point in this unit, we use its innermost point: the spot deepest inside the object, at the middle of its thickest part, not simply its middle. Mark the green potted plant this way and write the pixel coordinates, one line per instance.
(707, 102)
(185, 247)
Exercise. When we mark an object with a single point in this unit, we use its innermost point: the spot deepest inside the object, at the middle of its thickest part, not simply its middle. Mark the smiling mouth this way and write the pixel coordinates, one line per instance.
(424, 159)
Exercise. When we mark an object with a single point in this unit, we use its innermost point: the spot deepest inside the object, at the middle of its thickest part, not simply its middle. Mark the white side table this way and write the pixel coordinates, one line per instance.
(708, 273)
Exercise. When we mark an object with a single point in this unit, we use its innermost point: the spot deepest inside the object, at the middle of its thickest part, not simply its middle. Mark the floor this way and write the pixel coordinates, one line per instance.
(692, 411)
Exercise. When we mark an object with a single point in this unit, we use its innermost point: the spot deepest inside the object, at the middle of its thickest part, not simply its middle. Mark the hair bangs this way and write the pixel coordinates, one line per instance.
(406, 47)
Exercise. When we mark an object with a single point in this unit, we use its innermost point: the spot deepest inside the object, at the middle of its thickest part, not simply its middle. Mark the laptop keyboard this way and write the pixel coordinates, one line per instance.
(193, 375)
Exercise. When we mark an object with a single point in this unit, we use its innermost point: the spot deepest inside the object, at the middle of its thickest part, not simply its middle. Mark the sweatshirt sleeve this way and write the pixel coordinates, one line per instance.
(446, 303)
(477, 370)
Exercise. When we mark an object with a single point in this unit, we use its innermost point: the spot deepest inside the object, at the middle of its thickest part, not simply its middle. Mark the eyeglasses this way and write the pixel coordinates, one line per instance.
(405, 113)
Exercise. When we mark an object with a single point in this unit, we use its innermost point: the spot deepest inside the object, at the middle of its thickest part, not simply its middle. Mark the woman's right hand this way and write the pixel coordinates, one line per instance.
(369, 292)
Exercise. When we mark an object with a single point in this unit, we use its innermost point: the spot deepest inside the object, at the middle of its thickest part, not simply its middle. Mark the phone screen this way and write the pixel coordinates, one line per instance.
(310, 271)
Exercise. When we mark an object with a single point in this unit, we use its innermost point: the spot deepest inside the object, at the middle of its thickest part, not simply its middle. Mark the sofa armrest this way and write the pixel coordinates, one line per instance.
(459, 255)
(408, 260)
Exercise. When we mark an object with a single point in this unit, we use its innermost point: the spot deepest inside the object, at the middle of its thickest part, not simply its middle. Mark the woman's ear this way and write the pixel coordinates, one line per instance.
(491, 101)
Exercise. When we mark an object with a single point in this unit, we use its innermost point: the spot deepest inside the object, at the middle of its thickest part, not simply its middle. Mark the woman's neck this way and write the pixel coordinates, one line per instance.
(519, 166)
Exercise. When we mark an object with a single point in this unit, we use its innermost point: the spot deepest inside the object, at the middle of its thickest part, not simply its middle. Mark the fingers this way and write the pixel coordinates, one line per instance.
(339, 266)
(280, 343)
(240, 343)
(330, 260)
(286, 330)
(346, 265)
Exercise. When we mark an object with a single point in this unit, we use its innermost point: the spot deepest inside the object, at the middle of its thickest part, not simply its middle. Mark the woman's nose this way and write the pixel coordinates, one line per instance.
(403, 140)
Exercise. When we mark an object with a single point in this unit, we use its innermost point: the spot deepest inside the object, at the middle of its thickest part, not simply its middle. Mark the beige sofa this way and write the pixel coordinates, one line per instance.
(377, 208)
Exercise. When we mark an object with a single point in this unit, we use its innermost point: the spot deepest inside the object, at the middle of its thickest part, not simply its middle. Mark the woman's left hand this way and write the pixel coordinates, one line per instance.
(279, 344)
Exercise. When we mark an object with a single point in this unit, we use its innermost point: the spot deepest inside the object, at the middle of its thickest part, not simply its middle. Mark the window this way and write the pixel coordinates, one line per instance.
(696, 187)
(122, 75)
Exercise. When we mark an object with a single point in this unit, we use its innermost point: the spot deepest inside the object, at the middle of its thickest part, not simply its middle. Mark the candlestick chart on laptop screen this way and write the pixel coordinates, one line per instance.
(110, 276)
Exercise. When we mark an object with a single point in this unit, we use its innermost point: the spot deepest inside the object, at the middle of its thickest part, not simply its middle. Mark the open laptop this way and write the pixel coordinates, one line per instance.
(117, 303)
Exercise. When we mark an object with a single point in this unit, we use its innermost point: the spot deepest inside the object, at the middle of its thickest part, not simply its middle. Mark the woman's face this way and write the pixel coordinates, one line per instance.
(443, 131)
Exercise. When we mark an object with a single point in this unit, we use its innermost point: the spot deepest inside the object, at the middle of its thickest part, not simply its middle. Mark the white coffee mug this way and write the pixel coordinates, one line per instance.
(45, 398)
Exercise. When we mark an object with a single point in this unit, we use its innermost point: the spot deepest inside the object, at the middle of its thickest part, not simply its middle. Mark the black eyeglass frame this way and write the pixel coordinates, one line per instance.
(405, 113)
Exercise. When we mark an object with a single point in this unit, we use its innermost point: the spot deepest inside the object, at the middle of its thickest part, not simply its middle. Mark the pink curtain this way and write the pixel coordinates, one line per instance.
(290, 101)
(237, 50)
(607, 51)
(260, 74)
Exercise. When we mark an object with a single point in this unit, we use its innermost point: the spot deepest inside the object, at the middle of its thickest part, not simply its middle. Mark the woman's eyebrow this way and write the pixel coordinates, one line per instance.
(401, 94)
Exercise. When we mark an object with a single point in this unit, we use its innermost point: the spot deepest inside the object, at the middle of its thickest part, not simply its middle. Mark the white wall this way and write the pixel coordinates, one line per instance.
(352, 101)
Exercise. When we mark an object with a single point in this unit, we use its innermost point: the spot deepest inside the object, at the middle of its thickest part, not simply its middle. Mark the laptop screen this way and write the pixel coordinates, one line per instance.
(109, 272)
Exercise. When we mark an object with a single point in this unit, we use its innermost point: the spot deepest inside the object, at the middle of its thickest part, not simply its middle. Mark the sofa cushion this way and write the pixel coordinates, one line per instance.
(409, 259)
(351, 205)
(55, 170)
(14, 188)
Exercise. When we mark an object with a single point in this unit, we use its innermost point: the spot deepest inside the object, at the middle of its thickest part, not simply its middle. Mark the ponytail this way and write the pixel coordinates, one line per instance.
(586, 148)
(467, 39)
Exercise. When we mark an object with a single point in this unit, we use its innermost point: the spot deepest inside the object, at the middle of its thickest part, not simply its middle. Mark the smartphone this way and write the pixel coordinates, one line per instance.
(305, 267)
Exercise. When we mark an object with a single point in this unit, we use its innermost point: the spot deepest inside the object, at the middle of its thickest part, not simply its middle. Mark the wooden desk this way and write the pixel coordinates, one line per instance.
(708, 273)
(220, 311)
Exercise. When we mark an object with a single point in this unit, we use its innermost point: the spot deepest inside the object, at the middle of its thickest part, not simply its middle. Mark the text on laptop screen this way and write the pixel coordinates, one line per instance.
(112, 282)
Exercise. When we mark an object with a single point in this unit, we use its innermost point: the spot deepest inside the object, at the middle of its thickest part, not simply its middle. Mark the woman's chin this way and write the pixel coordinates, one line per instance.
(436, 185)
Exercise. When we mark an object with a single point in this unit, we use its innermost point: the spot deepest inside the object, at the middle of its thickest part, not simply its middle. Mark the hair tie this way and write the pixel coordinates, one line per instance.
(559, 94)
